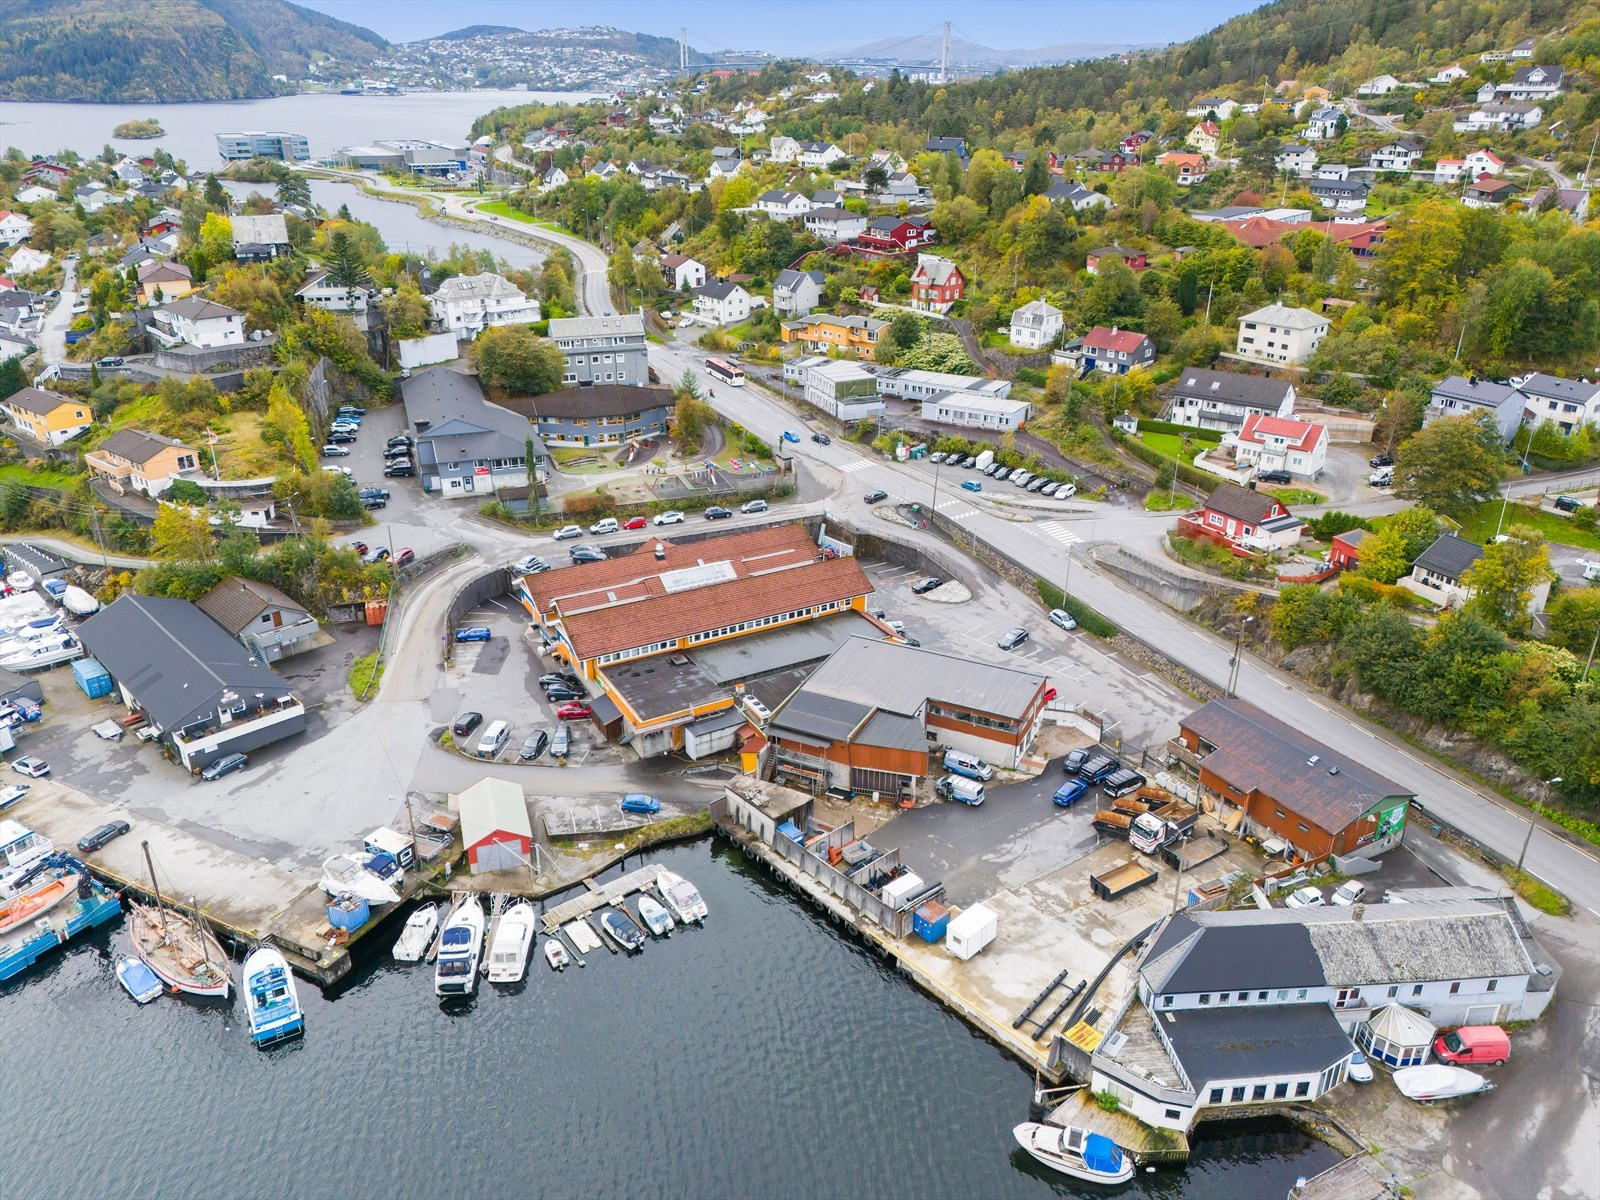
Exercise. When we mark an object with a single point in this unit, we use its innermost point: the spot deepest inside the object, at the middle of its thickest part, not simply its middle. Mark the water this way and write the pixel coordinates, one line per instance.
(758, 1056)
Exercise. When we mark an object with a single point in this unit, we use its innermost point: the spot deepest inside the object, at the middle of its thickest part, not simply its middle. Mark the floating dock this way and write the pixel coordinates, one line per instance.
(598, 896)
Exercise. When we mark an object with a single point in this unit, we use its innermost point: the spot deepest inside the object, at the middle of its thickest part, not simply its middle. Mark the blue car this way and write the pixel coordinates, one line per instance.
(972, 485)
(1070, 791)
(637, 802)
(790, 436)
(473, 633)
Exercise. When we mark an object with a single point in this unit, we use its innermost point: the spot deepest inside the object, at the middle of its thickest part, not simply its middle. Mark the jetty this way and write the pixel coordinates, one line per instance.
(599, 895)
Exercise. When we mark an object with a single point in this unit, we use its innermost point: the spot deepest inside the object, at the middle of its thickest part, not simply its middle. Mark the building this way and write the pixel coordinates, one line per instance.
(1565, 403)
(1114, 351)
(822, 331)
(784, 149)
(267, 623)
(1212, 106)
(819, 154)
(1296, 158)
(466, 305)
(1324, 123)
(416, 155)
(1190, 169)
(286, 147)
(1345, 552)
(1341, 195)
(1281, 444)
(260, 239)
(1206, 138)
(1474, 166)
(319, 291)
(896, 235)
(1075, 194)
(1437, 573)
(14, 227)
(936, 284)
(1134, 260)
(842, 389)
(869, 717)
(682, 273)
(1223, 400)
(948, 145)
(722, 303)
(25, 260)
(602, 415)
(1245, 518)
(835, 225)
(465, 445)
(198, 322)
(909, 383)
(1451, 74)
(1381, 85)
(203, 693)
(1399, 155)
(131, 460)
(1035, 325)
(1280, 334)
(797, 292)
(45, 417)
(1454, 396)
(602, 350)
(551, 178)
(495, 831)
(1503, 118)
(1489, 192)
(1535, 83)
(973, 410)
(782, 205)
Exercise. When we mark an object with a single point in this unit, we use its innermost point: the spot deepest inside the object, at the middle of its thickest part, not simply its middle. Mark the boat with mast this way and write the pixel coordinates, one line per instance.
(180, 948)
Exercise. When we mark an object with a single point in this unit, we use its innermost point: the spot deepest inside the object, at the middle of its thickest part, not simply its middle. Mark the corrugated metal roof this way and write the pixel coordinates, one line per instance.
(493, 806)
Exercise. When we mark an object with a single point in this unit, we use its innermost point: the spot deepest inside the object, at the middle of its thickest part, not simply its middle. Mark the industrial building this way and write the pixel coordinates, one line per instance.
(258, 143)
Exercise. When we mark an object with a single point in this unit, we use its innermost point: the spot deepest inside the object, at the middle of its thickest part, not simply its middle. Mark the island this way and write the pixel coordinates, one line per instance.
(138, 129)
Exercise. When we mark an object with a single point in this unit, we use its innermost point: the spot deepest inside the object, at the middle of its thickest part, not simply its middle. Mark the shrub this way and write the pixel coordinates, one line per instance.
(1087, 618)
(1031, 375)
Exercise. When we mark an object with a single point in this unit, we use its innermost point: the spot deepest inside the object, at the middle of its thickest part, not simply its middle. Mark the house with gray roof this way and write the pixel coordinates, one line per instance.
(257, 239)
(1565, 403)
(465, 445)
(1223, 399)
(605, 350)
(1437, 573)
(1454, 396)
(796, 293)
(267, 622)
(601, 415)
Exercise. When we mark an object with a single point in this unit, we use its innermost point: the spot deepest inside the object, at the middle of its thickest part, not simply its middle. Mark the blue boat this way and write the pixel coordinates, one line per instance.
(270, 999)
(93, 904)
(138, 980)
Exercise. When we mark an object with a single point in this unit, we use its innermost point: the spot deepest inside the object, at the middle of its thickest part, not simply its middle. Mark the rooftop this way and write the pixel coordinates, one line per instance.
(476, 287)
(268, 230)
(1251, 391)
(139, 447)
(1287, 317)
(1242, 503)
(1249, 1043)
(619, 325)
(38, 401)
(236, 603)
(1449, 556)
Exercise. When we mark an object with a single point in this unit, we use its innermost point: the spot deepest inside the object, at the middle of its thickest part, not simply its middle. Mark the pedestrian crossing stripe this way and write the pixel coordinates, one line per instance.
(860, 464)
(1061, 533)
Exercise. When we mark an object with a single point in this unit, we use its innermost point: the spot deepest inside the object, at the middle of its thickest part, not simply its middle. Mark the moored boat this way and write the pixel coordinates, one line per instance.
(179, 947)
(508, 952)
(621, 930)
(460, 947)
(271, 1001)
(347, 873)
(417, 936)
(91, 904)
(76, 600)
(682, 897)
(1435, 1081)
(556, 955)
(656, 919)
(138, 980)
(1076, 1152)
(19, 581)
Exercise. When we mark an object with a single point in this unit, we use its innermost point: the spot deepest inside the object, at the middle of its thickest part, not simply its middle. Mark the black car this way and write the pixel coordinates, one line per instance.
(1568, 504)
(875, 497)
(560, 693)
(371, 502)
(926, 584)
(1073, 762)
(1381, 460)
(225, 765)
(1013, 638)
(821, 439)
(533, 745)
(1274, 477)
(400, 466)
(393, 453)
(586, 554)
(100, 835)
(352, 410)
(466, 723)
(716, 512)
(338, 438)
(566, 677)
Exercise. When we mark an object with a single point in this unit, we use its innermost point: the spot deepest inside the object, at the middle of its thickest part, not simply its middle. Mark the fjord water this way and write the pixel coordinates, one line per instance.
(759, 1056)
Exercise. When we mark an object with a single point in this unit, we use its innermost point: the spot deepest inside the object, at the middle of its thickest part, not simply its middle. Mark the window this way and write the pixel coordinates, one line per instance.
(1280, 1091)
(1455, 987)
(1416, 989)
(1215, 1097)
(1261, 995)
(1394, 991)
(1223, 999)
(1278, 812)
(1283, 994)
(1301, 826)
(1493, 984)
(1166, 1002)
(1237, 1095)
(1302, 994)
(1205, 997)
(1259, 1092)
(1303, 1088)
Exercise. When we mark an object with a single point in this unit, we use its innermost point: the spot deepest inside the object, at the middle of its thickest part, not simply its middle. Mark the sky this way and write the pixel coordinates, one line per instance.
(811, 27)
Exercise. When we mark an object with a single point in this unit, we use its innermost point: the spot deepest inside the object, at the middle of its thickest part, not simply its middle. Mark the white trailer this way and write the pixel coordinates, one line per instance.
(970, 932)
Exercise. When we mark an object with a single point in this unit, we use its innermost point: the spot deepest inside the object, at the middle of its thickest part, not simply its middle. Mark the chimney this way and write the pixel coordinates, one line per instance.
(661, 552)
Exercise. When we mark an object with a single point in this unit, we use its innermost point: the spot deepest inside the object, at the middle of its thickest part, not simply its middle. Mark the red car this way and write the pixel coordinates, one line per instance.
(1049, 695)
(573, 710)
(634, 523)
(404, 557)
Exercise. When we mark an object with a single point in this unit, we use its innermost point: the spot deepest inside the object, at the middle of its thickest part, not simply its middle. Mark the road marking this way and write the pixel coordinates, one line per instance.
(963, 514)
(1062, 533)
(860, 464)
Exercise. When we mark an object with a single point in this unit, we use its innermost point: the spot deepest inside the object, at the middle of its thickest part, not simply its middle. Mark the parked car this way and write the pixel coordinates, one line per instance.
(399, 467)
(585, 553)
(716, 512)
(1013, 638)
(1381, 460)
(562, 677)
(360, 548)
(1306, 897)
(353, 409)
(331, 450)
(111, 361)
(1070, 791)
(574, 710)
(638, 802)
(567, 531)
(392, 453)
(1382, 477)
(821, 439)
(969, 461)
(635, 523)
(1073, 762)
(404, 556)
(560, 742)
(1049, 489)
(936, 457)
(371, 502)
(926, 584)
(339, 437)
(1359, 1070)
(604, 525)
(466, 723)
(670, 517)
(377, 554)
(1349, 892)
(225, 765)
(531, 565)
(100, 835)
(1569, 504)
(533, 745)
(1037, 485)
(1274, 477)
(790, 435)
(399, 439)
(876, 497)
(1473, 1044)
(338, 470)
(753, 506)
(368, 493)
(473, 633)
(1062, 619)
(972, 485)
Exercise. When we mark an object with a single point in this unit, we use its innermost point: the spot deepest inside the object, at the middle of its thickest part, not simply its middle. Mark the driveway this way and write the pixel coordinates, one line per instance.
(53, 330)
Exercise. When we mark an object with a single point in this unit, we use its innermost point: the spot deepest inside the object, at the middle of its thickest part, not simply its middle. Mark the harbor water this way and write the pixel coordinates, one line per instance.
(763, 1054)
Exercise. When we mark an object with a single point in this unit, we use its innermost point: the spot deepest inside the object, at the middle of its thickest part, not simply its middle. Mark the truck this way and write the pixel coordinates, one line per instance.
(985, 461)
(1156, 828)
(1120, 880)
(1191, 853)
(1109, 821)
(1154, 797)
(1121, 782)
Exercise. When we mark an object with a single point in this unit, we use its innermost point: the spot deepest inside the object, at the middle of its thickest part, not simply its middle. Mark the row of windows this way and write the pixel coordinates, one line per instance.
(1259, 1092)
(971, 718)
(620, 377)
(1347, 996)
(637, 652)
(763, 622)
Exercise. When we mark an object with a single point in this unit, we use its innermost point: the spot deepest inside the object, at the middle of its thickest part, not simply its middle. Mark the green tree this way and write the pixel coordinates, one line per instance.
(1452, 464)
(345, 267)
(216, 195)
(183, 535)
(406, 311)
(286, 424)
(1574, 619)
(1384, 556)
(516, 358)
(294, 189)
(876, 178)
(1504, 579)
(1417, 260)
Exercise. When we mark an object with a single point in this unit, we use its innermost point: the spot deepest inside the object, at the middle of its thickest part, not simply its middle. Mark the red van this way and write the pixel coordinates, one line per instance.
(1473, 1044)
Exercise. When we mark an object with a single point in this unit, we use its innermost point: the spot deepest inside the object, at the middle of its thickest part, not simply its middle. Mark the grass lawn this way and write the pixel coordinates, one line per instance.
(17, 473)
(365, 672)
(1294, 495)
(1479, 525)
(500, 208)
(1171, 445)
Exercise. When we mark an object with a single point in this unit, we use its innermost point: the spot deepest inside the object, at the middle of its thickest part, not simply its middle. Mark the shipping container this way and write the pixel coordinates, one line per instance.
(349, 913)
(930, 921)
(970, 932)
(897, 891)
(94, 679)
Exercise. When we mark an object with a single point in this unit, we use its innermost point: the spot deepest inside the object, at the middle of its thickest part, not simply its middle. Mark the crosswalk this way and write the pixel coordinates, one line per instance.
(860, 464)
(1061, 533)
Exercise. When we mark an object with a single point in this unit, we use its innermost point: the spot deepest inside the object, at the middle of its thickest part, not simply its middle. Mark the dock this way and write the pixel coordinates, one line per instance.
(598, 896)
(1148, 1145)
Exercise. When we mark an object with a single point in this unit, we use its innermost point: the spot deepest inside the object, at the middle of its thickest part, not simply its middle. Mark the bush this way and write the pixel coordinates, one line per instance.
(1031, 375)
(183, 491)
(1330, 525)
(1146, 425)
(1087, 618)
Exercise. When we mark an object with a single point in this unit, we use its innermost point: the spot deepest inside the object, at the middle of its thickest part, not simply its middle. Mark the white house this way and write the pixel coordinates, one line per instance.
(466, 305)
(1565, 403)
(1381, 85)
(818, 154)
(1211, 104)
(1483, 162)
(975, 411)
(683, 272)
(1523, 49)
(835, 225)
(1225, 400)
(1506, 118)
(784, 149)
(552, 178)
(1035, 325)
(1324, 124)
(1280, 334)
(795, 293)
(722, 303)
(36, 192)
(14, 228)
(203, 324)
(27, 260)
(319, 293)
(1448, 74)
(1399, 155)
(1076, 195)
(1281, 444)
(1296, 158)
(782, 205)
(1529, 83)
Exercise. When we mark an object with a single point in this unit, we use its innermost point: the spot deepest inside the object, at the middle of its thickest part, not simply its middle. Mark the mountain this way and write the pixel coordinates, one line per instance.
(573, 58)
(146, 50)
(472, 31)
(926, 48)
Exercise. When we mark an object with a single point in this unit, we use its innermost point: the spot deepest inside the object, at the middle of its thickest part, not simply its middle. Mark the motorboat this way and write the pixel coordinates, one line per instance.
(79, 602)
(656, 918)
(1074, 1151)
(417, 936)
(508, 951)
(1435, 1081)
(29, 656)
(682, 897)
(460, 947)
(19, 581)
(36, 893)
(138, 980)
(556, 955)
(348, 874)
(271, 1001)
(621, 930)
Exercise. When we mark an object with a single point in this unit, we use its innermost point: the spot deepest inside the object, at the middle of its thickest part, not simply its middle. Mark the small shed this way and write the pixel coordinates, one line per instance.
(495, 830)
(970, 932)
(1396, 1036)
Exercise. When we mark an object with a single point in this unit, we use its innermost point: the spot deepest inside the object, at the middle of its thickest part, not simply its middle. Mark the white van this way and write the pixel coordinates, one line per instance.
(955, 787)
(969, 765)
(494, 739)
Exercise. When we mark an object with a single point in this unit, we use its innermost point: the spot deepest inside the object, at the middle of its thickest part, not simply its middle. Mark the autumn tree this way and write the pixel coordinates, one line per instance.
(182, 534)
(1388, 554)
(286, 424)
(406, 311)
(1504, 579)
(517, 359)
(1451, 464)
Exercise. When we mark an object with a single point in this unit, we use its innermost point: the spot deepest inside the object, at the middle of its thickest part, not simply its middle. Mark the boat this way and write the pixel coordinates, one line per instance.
(1074, 1151)
(460, 947)
(29, 656)
(1438, 1082)
(656, 919)
(347, 873)
(556, 955)
(621, 930)
(179, 947)
(417, 936)
(270, 999)
(93, 905)
(682, 897)
(19, 581)
(138, 980)
(33, 877)
(508, 952)
(76, 600)
(36, 896)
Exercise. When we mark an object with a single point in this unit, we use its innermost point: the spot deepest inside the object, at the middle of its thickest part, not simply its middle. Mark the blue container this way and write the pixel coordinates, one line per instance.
(348, 913)
(94, 679)
(929, 921)
(791, 831)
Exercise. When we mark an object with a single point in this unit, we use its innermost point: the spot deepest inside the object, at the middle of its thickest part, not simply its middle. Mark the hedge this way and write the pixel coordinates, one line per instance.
(1087, 618)
(1199, 435)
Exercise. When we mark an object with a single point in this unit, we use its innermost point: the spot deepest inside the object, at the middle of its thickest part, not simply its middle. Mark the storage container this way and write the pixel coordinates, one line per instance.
(94, 679)
(897, 891)
(930, 920)
(348, 913)
(970, 932)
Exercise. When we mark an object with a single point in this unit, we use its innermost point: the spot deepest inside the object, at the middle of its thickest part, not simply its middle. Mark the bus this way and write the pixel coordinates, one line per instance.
(729, 373)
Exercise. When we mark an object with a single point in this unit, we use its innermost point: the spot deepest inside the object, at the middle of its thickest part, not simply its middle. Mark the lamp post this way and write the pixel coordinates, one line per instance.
(1234, 662)
(1538, 811)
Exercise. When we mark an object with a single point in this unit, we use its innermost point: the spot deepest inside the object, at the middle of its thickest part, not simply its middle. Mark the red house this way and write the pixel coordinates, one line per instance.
(1136, 260)
(1134, 143)
(1245, 518)
(1346, 550)
(896, 235)
(936, 284)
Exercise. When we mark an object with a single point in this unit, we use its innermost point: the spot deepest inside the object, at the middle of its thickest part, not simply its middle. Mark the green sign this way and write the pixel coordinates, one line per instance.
(1390, 820)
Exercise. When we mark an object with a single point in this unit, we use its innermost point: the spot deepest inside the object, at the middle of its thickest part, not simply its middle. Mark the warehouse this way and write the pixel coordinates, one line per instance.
(970, 410)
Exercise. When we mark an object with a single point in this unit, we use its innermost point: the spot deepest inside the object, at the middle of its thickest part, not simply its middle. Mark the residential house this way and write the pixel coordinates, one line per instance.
(132, 460)
(1104, 162)
(1451, 74)
(682, 273)
(1473, 166)
(47, 170)
(1113, 351)
(1529, 83)
(148, 250)
(1503, 118)
(784, 149)
(14, 227)
(969, 410)
(818, 154)
(465, 445)
(265, 621)
(820, 332)
(94, 197)
(1280, 334)
(1225, 400)
(162, 281)
(551, 178)
(1345, 551)
(724, 166)
(1324, 123)
(1075, 194)
(948, 145)
(1035, 325)
(1572, 201)
(936, 284)
(722, 303)
(1399, 155)
(1211, 106)
(1135, 143)
(1315, 94)
(1206, 138)
(1190, 168)
(1341, 195)
(1522, 50)
(319, 291)
(25, 260)
(35, 192)
(1380, 85)
(1454, 396)
(1566, 403)
(782, 205)
(1489, 192)
(797, 292)
(198, 322)
(826, 198)
(603, 415)
(896, 235)
(197, 687)
(1282, 444)
(603, 170)
(1336, 172)
(1228, 212)
(258, 239)
(45, 417)
(1438, 572)
(1246, 518)
(602, 350)
(835, 225)
(466, 305)
(1134, 260)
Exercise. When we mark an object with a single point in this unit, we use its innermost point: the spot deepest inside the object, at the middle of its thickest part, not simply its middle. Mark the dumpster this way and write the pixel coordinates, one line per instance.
(929, 921)
(94, 679)
(348, 912)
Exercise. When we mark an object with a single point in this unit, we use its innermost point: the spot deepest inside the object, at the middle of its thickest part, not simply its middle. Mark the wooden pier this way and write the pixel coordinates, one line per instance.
(598, 896)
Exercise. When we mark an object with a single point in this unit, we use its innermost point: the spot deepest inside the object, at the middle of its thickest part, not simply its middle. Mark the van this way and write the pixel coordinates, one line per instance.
(969, 765)
(605, 525)
(1121, 782)
(494, 739)
(1473, 1044)
(954, 787)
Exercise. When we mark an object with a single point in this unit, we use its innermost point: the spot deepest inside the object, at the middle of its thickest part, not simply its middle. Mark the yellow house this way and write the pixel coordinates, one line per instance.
(819, 331)
(133, 460)
(1318, 95)
(160, 282)
(48, 418)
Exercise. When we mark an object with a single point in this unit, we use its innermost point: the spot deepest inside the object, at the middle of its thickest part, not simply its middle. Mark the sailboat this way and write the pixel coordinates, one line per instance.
(181, 949)
(270, 999)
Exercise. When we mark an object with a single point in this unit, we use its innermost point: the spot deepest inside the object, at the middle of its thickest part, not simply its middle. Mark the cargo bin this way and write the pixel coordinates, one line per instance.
(94, 679)
(930, 921)
(897, 891)
(348, 913)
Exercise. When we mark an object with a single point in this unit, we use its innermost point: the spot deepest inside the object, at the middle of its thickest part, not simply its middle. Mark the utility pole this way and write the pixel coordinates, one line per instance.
(1177, 875)
(1538, 811)
(1590, 661)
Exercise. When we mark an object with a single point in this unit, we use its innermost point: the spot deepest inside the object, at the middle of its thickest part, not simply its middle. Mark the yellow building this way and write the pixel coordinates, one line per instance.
(820, 331)
(48, 418)
(160, 282)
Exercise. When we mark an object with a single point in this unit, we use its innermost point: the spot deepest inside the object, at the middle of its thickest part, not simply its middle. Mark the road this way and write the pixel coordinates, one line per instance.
(53, 331)
(1549, 168)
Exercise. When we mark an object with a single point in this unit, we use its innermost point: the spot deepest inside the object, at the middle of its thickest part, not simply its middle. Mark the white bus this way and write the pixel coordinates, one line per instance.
(728, 372)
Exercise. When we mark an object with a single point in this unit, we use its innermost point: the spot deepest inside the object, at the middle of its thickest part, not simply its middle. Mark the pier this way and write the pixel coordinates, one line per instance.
(598, 896)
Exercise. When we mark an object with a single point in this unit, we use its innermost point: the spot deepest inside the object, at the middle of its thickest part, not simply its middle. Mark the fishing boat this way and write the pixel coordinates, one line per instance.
(92, 905)
(76, 600)
(1438, 1082)
(682, 897)
(1076, 1152)
(460, 947)
(19, 581)
(417, 936)
(656, 919)
(621, 930)
(270, 999)
(138, 980)
(33, 877)
(508, 952)
(347, 873)
(556, 955)
(179, 947)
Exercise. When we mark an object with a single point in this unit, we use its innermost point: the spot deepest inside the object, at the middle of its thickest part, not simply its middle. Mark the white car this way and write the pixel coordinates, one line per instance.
(332, 451)
(567, 531)
(1306, 897)
(1360, 1069)
(531, 565)
(30, 766)
(669, 518)
(1350, 892)
(345, 471)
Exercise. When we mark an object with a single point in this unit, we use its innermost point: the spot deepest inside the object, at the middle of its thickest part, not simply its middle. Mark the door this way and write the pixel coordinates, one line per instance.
(1483, 1014)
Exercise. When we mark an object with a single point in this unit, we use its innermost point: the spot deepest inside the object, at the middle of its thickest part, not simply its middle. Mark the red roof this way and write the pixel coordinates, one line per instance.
(1209, 129)
(1302, 435)
(1257, 232)
(1124, 340)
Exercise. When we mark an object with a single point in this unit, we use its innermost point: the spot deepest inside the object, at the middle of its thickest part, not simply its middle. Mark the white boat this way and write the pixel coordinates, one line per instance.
(19, 581)
(347, 873)
(30, 656)
(681, 896)
(270, 998)
(1076, 1152)
(460, 947)
(1439, 1082)
(138, 980)
(508, 952)
(417, 936)
(556, 955)
(656, 919)
(76, 600)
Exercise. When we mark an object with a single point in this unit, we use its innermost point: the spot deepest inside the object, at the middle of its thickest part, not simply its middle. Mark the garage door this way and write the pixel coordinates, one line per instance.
(499, 856)
(1483, 1014)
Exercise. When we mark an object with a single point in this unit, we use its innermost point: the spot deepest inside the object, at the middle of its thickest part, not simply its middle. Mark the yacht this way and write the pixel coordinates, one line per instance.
(508, 952)
(1076, 1152)
(460, 947)
(682, 897)
(347, 873)
(417, 936)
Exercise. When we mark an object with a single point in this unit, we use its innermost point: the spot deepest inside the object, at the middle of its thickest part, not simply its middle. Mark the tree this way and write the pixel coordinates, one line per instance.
(1504, 579)
(406, 311)
(183, 535)
(514, 357)
(1114, 295)
(1574, 620)
(1451, 464)
(216, 195)
(1384, 556)
(345, 268)
(876, 178)
(1037, 179)
(294, 189)
(215, 244)
(1417, 260)
(286, 424)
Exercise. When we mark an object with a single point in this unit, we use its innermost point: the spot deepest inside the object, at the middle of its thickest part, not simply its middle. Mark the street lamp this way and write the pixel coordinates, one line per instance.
(1538, 811)
(1234, 662)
